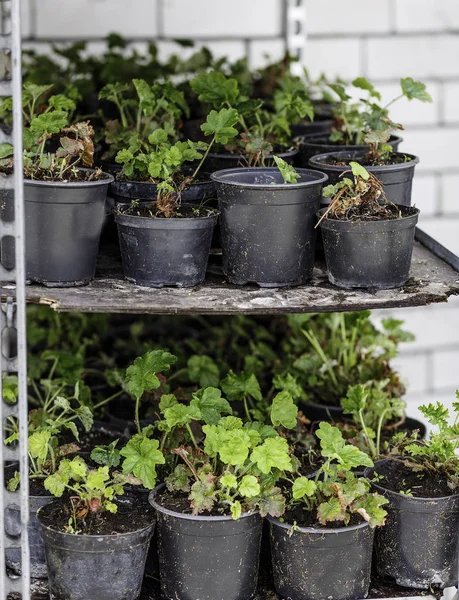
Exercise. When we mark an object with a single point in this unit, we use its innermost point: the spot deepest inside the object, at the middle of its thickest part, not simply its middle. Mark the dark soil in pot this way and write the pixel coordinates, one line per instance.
(396, 176)
(63, 226)
(369, 254)
(310, 145)
(418, 546)
(38, 497)
(107, 564)
(217, 161)
(318, 562)
(207, 557)
(268, 234)
(158, 252)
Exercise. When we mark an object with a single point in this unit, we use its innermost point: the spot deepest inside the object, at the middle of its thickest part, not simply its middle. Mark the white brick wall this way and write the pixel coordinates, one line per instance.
(384, 40)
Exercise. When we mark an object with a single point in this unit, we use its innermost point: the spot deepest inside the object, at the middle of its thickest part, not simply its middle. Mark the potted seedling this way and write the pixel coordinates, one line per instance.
(64, 197)
(213, 499)
(328, 353)
(46, 427)
(261, 132)
(368, 241)
(418, 548)
(168, 241)
(95, 545)
(355, 120)
(267, 222)
(322, 547)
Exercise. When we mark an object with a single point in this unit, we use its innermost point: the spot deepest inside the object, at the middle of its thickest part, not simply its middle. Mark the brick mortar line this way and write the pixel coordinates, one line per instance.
(382, 34)
(163, 38)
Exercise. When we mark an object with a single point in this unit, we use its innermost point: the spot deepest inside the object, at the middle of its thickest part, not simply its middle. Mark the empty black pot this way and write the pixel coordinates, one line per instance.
(318, 126)
(217, 161)
(268, 234)
(369, 254)
(125, 191)
(63, 226)
(158, 252)
(95, 567)
(314, 564)
(418, 546)
(397, 179)
(208, 558)
(310, 145)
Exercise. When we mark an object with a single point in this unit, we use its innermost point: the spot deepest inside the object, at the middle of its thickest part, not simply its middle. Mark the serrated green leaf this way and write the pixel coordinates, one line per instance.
(56, 484)
(284, 411)
(359, 171)
(249, 486)
(415, 90)
(302, 486)
(287, 171)
(229, 480)
(220, 125)
(273, 453)
(141, 376)
(210, 404)
(141, 457)
(39, 444)
(167, 401)
(203, 370)
(356, 399)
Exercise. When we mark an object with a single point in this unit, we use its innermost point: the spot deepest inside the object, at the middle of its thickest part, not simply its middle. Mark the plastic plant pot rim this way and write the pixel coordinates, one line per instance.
(319, 531)
(316, 139)
(71, 184)
(408, 499)
(229, 156)
(165, 222)
(149, 187)
(318, 162)
(102, 537)
(392, 225)
(186, 517)
(317, 178)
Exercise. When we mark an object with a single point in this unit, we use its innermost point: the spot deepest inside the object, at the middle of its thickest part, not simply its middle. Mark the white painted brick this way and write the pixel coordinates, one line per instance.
(450, 200)
(436, 147)
(359, 16)
(413, 56)
(443, 229)
(445, 369)
(451, 102)
(26, 21)
(90, 18)
(428, 15)
(339, 57)
(233, 49)
(263, 51)
(219, 18)
(413, 370)
(425, 193)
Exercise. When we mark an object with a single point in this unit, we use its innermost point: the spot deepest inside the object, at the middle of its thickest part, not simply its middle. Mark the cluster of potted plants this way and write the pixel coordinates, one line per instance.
(184, 145)
(218, 447)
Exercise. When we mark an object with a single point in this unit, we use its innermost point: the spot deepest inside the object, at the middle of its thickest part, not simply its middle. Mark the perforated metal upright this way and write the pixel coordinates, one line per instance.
(13, 355)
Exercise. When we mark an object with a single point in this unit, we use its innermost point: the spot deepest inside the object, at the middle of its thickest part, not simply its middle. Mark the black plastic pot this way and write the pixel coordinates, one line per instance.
(210, 558)
(397, 179)
(218, 161)
(268, 234)
(315, 564)
(140, 496)
(63, 226)
(310, 145)
(318, 126)
(95, 567)
(418, 546)
(165, 252)
(7, 245)
(369, 254)
(38, 568)
(125, 191)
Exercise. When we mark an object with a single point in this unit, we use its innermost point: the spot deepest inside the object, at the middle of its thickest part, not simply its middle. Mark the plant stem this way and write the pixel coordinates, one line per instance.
(378, 433)
(246, 407)
(203, 158)
(365, 431)
(192, 436)
(107, 400)
(136, 417)
(318, 348)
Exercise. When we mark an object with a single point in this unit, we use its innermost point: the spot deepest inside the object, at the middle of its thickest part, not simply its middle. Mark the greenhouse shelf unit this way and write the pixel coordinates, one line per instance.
(434, 278)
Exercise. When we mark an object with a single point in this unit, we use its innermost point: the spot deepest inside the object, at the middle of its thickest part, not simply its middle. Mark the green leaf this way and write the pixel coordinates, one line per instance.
(289, 384)
(85, 415)
(6, 150)
(415, 90)
(180, 415)
(271, 502)
(284, 411)
(236, 387)
(141, 457)
(124, 156)
(249, 486)
(273, 453)
(75, 469)
(359, 171)
(229, 480)
(56, 483)
(350, 457)
(436, 414)
(378, 137)
(158, 136)
(332, 510)
(210, 404)
(203, 370)
(49, 123)
(167, 401)
(61, 102)
(236, 510)
(331, 440)
(356, 399)
(39, 444)
(107, 455)
(141, 376)
(302, 486)
(202, 494)
(10, 388)
(215, 88)
(96, 479)
(288, 172)
(331, 190)
(14, 482)
(220, 125)
(178, 480)
(363, 84)
(73, 428)
(234, 446)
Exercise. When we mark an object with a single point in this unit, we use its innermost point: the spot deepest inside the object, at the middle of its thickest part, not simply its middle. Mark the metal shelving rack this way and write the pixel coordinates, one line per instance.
(435, 278)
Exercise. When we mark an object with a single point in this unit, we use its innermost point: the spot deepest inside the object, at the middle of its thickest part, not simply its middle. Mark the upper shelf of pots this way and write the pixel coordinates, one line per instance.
(207, 158)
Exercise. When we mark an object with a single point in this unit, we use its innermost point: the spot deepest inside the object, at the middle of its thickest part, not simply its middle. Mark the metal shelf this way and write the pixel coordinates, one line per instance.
(434, 277)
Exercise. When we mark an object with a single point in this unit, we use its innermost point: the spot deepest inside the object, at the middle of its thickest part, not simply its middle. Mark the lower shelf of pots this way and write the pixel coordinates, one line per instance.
(434, 277)
(151, 591)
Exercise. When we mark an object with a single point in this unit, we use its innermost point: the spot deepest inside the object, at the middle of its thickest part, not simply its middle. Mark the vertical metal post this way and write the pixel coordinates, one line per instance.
(295, 32)
(13, 357)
